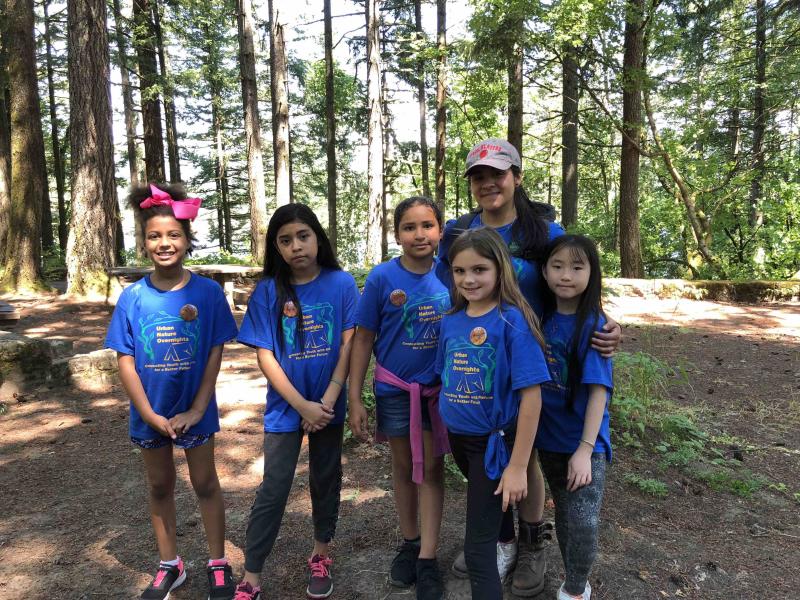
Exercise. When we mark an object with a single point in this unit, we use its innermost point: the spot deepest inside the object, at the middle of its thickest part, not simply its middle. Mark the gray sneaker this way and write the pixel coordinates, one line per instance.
(506, 558)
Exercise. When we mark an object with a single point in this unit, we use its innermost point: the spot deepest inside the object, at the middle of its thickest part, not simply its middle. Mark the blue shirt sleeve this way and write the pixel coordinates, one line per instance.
(368, 315)
(596, 368)
(256, 329)
(528, 364)
(438, 363)
(443, 264)
(119, 336)
(224, 323)
(554, 230)
(349, 303)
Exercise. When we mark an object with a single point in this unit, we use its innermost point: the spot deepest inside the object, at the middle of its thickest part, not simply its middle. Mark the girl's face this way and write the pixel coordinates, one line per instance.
(493, 189)
(165, 241)
(297, 243)
(475, 277)
(567, 273)
(418, 232)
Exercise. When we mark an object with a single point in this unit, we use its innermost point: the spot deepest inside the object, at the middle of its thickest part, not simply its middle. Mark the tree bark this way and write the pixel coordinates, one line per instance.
(515, 108)
(173, 153)
(252, 128)
(441, 99)
(5, 142)
(93, 228)
(220, 160)
(423, 110)
(280, 107)
(569, 137)
(58, 163)
(756, 216)
(330, 126)
(629, 240)
(23, 251)
(374, 135)
(148, 86)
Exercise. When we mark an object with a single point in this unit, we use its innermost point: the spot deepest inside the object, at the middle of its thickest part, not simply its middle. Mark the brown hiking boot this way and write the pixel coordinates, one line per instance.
(528, 577)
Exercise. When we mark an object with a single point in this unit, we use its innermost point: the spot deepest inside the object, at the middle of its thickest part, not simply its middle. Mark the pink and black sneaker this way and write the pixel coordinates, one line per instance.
(320, 581)
(220, 580)
(167, 579)
(245, 591)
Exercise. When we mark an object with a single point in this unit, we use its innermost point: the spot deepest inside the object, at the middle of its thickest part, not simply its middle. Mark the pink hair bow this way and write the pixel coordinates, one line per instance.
(182, 209)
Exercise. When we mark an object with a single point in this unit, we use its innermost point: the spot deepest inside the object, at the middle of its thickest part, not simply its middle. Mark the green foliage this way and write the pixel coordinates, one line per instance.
(742, 483)
(220, 258)
(647, 485)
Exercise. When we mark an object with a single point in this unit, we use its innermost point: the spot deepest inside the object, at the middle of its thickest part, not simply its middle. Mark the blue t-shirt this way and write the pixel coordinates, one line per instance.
(404, 309)
(170, 335)
(329, 307)
(484, 362)
(529, 273)
(560, 430)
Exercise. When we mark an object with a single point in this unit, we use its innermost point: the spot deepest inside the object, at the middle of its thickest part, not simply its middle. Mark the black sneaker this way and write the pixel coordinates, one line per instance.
(320, 581)
(220, 582)
(429, 580)
(167, 579)
(404, 566)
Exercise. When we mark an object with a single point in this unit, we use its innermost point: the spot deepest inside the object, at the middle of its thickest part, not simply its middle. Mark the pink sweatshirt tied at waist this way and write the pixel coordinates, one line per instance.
(417, 392)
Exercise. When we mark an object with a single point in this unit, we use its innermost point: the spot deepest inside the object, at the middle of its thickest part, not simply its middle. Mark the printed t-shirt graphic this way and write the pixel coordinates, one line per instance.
(484, 361)
(560, 429)
(169, 334)
(404, 309)
(328, 304)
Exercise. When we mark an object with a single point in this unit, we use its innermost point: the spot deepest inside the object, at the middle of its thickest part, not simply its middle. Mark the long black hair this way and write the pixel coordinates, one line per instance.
(590, 306)
(279, 270)
(530, 230)
(139, 193)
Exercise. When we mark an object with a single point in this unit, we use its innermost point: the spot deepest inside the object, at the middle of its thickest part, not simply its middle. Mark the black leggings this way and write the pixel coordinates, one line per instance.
(281, 451)
(484, 514)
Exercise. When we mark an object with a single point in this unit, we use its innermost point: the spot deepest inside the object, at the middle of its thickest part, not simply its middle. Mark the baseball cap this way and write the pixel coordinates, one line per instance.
(494, 152)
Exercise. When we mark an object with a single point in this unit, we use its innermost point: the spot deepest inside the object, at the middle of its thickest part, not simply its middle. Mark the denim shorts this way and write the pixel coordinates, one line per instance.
(394, 412)
(185, 441)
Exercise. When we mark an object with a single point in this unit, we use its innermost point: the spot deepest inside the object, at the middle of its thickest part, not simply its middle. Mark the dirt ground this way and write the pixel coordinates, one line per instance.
(74, 522)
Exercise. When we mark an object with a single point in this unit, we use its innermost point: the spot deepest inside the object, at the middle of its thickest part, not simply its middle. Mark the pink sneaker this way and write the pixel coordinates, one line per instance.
(167, 579)
(245, 591)
(320, 582)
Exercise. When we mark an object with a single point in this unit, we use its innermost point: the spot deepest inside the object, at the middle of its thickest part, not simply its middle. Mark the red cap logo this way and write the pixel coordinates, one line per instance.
(484, 153)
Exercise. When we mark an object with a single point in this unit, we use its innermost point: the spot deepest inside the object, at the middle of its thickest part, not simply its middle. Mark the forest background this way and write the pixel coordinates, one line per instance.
(667, 130)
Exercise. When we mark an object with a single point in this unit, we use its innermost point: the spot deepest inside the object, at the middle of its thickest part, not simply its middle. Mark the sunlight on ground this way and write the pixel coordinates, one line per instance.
(106, 402)
(235, 417)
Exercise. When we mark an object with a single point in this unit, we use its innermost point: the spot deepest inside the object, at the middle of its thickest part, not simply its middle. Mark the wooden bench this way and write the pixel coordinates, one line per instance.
(225, 275)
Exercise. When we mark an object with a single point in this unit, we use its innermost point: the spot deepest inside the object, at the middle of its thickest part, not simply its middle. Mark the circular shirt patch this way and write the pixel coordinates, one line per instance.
(477, 336)
(289, 309)
(397, 297)
(188, 312)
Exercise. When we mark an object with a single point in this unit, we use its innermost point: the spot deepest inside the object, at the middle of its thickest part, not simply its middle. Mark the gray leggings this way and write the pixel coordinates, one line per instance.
(281, 451)
(577, 516)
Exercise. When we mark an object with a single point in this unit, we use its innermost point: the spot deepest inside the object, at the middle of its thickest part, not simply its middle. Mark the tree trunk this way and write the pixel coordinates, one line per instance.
(374, 136)
(148, 86)
(441, 98)
(629, 239)
(58, 163)
(388, 154)
(569, 138)
(330, 126)
(423, 110)
(280, 107)
(252, 128)
(515, 98)
(756, 216)
(23, 251)
(5, 142)
(93, 228)
(173, 154)
(220, 160)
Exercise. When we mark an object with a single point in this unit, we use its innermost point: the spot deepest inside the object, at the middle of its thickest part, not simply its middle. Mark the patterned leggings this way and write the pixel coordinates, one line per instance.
(577, 516)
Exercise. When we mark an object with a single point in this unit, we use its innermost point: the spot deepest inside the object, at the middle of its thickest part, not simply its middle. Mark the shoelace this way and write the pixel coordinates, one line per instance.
(319, 568)
(244, 591)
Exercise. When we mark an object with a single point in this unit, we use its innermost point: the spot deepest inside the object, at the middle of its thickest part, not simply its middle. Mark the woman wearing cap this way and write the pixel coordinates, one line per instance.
(494, 170)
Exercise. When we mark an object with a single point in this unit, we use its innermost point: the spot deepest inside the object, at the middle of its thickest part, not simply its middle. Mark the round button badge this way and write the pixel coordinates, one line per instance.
(289, 309)
(477, 336)
(188, 312)
(397, 297)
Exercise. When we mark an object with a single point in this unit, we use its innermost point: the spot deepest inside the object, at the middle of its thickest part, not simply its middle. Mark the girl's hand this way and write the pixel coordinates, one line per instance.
(513, 485)
(579, 469)
(162, 426)
(607, 341)
(359, 421)
(316, 414)
(182, 422)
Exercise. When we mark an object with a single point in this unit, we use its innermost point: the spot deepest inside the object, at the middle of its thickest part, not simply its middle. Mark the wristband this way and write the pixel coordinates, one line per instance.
(337, 382)
(588, 443)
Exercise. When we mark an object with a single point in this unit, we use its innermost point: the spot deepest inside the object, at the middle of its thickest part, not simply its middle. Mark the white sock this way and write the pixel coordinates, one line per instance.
(171, 563)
